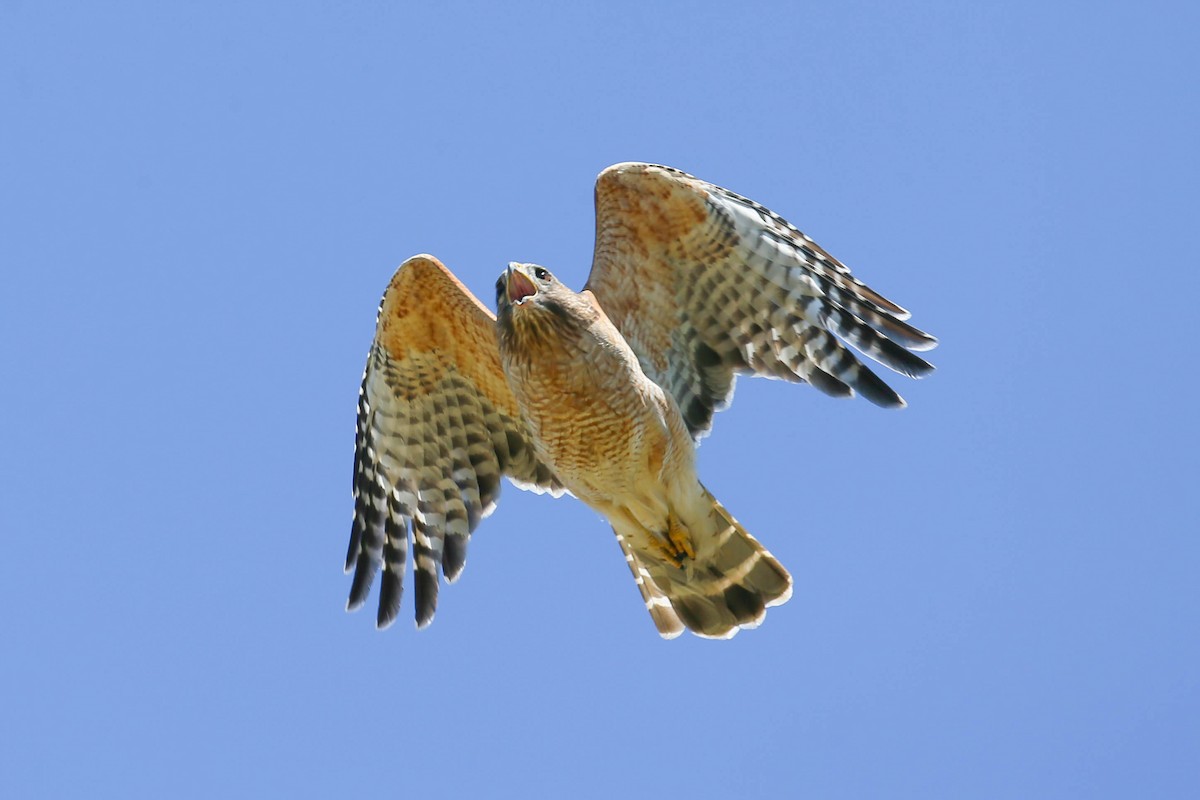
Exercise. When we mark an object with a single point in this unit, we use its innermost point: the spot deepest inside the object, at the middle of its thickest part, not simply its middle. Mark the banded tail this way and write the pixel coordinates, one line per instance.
(727, 586)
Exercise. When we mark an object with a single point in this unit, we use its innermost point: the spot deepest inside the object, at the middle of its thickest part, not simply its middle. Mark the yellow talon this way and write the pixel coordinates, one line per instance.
(675, 545)
(679, 537)
(664, 549)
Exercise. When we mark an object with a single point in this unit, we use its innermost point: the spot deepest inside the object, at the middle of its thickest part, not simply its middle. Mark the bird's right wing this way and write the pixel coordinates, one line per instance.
(437, 427)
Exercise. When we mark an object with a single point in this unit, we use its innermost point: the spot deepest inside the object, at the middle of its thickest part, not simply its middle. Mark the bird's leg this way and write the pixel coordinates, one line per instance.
(676, 544)
(679, 536)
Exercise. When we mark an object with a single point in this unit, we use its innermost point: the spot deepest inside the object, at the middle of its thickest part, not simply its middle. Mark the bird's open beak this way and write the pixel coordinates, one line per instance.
(519, 285)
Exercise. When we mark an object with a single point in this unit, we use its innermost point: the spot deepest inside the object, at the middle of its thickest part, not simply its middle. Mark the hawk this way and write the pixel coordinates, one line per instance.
(604, 393)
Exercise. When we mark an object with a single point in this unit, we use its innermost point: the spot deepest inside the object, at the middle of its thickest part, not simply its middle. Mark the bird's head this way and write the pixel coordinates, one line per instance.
(531, 300)
(524, 284)
(528, 292)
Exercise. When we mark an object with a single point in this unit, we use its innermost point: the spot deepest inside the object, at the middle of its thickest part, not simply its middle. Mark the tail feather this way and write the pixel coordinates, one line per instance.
(727, 586)
(664, 616)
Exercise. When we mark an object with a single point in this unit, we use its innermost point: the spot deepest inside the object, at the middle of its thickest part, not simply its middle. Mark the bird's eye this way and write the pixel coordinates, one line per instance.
(542, 274)
(499, 288)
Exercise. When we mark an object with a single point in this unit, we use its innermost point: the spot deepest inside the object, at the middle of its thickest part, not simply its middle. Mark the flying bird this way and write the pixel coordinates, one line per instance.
(604, 393)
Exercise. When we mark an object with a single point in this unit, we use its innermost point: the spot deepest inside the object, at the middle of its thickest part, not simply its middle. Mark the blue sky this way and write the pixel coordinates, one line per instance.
(996, 588)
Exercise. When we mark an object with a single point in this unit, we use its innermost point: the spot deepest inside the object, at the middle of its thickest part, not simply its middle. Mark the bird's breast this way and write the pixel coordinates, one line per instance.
(590, 410)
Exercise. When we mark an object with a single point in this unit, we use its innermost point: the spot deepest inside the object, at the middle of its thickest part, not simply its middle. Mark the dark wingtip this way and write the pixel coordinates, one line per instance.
(425, 590)
(924, 342)
(921, 369)
(360, 586)
(454, 557)
(391, 589)
(873, 388)
(896, 358)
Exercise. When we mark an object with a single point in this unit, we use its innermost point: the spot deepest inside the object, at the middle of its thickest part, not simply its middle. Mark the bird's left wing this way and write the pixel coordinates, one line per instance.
(437, 427)
(704, 284)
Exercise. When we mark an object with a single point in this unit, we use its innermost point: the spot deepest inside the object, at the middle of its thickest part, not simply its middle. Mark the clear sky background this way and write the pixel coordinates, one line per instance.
(996, 589)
